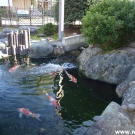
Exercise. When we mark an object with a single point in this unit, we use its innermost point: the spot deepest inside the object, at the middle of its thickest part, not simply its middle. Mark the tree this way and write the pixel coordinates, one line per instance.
(2, 14)
(74, 9)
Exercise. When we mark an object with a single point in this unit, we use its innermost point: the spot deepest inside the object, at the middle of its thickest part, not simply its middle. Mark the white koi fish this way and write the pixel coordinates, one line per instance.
(27, 113)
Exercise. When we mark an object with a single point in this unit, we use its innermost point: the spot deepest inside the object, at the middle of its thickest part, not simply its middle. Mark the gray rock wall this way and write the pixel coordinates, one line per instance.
(112, 67)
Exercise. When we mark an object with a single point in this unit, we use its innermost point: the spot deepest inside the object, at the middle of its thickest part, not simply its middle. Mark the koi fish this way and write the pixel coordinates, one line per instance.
(14, 68)
(52, 73)
(27, 113)
(72, 78)
(54, 102)
(34, 65)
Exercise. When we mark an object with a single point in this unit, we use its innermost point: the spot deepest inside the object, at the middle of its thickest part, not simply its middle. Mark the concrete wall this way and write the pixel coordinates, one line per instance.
(73, 42)
(22, 4)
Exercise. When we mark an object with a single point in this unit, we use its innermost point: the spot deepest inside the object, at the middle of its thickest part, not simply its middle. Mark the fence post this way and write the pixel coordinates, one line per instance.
(17, 20)
(30, 16)
(42, 16)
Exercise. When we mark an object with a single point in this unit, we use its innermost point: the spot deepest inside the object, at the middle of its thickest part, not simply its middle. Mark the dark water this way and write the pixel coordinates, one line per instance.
(79, 103)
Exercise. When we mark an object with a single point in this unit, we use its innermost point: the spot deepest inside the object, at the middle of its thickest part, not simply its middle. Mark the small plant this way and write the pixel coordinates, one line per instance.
(55, 36)
(48, 29)
(35, 37)
(110, 23)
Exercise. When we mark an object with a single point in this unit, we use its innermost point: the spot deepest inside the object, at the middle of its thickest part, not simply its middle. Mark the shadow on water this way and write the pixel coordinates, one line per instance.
(79, 102)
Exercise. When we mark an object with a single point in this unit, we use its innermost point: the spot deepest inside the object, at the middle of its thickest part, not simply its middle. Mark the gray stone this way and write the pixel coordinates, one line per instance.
(131, 107)
(2, 35)
(113, 118)
(8, 30)
(86, 55)
(124, 107)
(132, 83)
(129, 82)
(112, 67)
(58, 48)
(2, 45)
(33, 29)
(128, 96)
(132, 44)
(40, 49)
(2, 55)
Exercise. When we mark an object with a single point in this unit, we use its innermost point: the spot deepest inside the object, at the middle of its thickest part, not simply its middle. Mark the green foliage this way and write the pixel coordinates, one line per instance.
(48, 29)
(74, 9)
(110, 23)
(35, 37)
(55, 36)
(2, 12)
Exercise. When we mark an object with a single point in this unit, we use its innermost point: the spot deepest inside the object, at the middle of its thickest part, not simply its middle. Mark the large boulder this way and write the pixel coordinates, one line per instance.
(112, 67)
(2, 35)
(40, 49)
(113, 119)
(86, 55)
(8, 30)
(33, 29)
(128, 83)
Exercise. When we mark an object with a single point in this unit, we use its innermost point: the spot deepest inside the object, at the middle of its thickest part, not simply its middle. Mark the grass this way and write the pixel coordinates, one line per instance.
(55, 36)
(35, 37)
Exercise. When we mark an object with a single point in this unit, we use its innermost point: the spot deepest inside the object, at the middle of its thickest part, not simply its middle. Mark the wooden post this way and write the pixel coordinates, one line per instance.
(14, 39)
(8, 51)
(17, 38)
(11, 38)
(28, 32)
(8, 37)
(22, 50)
(13, 49)
(25, 39)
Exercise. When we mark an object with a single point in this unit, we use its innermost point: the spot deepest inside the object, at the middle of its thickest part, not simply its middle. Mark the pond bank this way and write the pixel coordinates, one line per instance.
(115, 67)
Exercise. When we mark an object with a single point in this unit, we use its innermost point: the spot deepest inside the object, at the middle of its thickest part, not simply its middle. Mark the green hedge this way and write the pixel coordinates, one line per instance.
(110, 23)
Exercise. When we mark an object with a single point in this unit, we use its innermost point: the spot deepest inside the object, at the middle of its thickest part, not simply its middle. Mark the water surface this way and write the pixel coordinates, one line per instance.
(24, 88)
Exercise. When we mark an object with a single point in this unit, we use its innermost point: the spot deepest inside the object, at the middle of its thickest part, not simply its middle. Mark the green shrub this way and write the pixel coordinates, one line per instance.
(48, 29)
(110, 23)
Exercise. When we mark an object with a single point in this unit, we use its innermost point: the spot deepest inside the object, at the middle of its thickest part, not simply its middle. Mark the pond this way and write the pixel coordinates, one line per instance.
(79, 103)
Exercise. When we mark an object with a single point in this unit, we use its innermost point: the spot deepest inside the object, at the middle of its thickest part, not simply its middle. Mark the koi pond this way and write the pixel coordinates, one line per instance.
(79, 103)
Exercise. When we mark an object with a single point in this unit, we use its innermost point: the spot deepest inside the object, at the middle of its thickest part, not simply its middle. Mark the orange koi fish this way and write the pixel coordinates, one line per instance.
(27, 113)
(54, 102)
(72, 78)
(14, 68)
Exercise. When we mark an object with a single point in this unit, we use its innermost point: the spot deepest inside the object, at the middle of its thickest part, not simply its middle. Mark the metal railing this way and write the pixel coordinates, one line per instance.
(31, 16)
